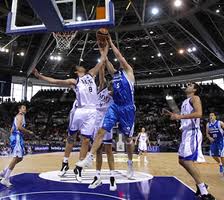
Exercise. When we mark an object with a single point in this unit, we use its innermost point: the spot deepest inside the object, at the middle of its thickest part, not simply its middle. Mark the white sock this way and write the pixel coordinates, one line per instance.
(98, 173)
(65, 160)
(112, 173)
(2, 173)
(90, 155)
(7, 174)
(130, 162)
(202, 188)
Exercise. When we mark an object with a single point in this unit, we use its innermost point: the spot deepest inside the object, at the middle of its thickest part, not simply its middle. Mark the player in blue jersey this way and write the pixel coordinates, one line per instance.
(122, 110)
(17, 144)
(214, 132)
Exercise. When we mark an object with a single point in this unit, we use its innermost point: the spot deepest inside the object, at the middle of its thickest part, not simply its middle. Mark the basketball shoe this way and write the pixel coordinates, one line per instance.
(96, 182)
(113, 185)
(207, 197)
(87, 162)
(78, 173)
(6, 182)
(64, 169)
(198, 193)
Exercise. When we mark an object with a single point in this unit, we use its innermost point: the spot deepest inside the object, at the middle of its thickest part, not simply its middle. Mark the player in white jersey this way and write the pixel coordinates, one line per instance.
(17, 144)
(142, 140)
(104, 101)
(83, 119)
(191, 112)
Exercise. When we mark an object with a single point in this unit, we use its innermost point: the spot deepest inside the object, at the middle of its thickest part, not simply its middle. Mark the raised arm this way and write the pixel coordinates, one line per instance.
(124, 64)
(197, 110)
(102, 79)
(110, 67)
(66, 82)
(19, 122)
(94, 71)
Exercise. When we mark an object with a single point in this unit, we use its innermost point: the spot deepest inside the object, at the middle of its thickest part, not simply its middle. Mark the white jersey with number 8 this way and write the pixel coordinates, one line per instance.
(86, 91)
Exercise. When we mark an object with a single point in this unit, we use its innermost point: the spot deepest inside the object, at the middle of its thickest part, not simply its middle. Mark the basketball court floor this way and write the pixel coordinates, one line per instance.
(157, 177)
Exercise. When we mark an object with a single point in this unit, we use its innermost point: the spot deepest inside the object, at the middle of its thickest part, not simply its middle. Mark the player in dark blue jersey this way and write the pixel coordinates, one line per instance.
(121, 111)
(214, 132)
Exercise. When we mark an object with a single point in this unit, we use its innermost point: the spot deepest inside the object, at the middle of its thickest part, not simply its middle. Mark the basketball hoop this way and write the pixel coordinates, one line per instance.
(64, 39)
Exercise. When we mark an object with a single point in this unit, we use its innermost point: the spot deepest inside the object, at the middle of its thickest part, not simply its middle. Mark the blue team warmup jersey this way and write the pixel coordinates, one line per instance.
(122, 110)
(216, 132)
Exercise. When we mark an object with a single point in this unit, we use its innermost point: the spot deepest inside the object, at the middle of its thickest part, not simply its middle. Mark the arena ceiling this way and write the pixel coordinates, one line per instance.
(174, 42)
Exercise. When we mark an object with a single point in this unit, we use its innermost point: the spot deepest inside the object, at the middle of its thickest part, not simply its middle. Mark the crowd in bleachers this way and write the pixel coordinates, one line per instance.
(48, 114)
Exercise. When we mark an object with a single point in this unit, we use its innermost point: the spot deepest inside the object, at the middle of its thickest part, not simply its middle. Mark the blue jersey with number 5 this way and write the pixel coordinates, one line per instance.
(123, 89)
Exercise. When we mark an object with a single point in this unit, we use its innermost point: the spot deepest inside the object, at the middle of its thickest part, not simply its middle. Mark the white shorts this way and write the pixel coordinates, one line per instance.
(190, 147)
(99, 122)
(83, 120)
(142, 146)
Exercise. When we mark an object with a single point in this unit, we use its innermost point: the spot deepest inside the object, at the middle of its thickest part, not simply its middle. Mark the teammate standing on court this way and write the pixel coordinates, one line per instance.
(214, 132)
(85, 114)
(191, 112)
(17, 144)
(142, 140)
(104, 101)
(122, 110)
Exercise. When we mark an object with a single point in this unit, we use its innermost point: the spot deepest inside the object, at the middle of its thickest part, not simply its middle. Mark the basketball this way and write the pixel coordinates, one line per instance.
(102, 35)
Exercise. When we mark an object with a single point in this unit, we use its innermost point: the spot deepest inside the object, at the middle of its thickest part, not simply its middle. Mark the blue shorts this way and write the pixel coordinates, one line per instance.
(124, 115)
(217, 149)
(17, 145)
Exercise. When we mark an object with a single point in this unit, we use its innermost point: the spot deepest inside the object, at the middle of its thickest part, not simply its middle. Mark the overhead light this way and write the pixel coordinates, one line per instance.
(181, 51)
(81, 59)
(155, 11)
(150, 73)
(98, 60)
(211, 65)
(68, 75)
(59, 58)
(128, 47)
(51, 57)
(115, 59)
(4, 50)
(159, 54)
(79, 18)
(194, 49)
(134, 58)
(171, 54)
(151, 32)
(178, 3)
(145, 45)
(22, 53)
(189, 50)
(179, 70)
(162, 43)
(217, 11)
(21, 71)
(152, 56)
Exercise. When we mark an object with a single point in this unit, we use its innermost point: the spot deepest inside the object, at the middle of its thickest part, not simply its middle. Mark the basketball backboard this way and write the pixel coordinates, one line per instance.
(57, 16)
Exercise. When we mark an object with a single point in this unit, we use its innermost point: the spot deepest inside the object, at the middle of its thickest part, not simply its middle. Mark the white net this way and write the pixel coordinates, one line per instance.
(64, 39)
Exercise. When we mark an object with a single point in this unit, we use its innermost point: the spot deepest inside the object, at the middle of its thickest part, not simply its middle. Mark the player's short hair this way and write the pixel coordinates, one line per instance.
(20, 105)
(198, 88)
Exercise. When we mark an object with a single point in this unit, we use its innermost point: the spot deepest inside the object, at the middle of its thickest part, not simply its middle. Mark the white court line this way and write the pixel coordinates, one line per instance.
(69, 192)
(184, 183)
